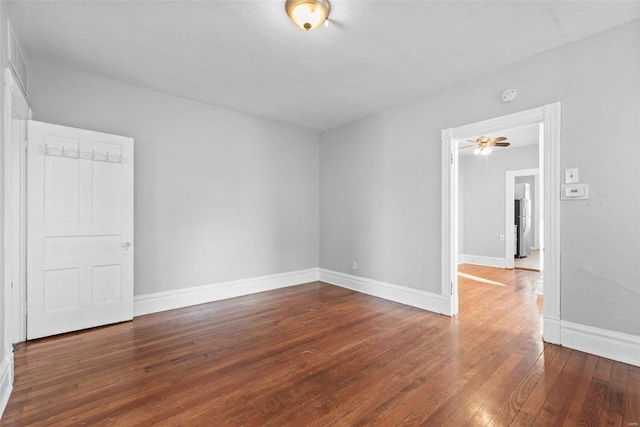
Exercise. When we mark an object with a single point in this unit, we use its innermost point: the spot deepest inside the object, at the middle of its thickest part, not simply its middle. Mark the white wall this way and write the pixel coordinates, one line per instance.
(380, 177)
(219, 195)
(483, 196)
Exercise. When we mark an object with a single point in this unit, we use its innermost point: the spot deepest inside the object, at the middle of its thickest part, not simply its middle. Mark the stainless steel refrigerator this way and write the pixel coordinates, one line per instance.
(523, 227)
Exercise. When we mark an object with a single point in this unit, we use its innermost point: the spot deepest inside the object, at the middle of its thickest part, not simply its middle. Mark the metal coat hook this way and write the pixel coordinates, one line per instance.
(86, 155)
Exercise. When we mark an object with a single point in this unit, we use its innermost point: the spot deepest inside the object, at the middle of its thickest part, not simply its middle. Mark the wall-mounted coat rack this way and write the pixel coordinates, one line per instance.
(84, 155)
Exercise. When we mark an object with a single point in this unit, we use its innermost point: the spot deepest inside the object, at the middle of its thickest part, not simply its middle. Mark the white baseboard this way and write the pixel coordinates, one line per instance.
(487, 261)
(551, 330)
(601, 342)
(414, 297)
(6, 381)
(178, 298)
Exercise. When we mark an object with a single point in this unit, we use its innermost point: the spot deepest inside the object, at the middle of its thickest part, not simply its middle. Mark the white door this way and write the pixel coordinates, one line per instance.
(79, 229)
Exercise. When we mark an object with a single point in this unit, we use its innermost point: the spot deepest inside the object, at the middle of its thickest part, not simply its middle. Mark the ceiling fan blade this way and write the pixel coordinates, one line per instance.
(500, 138)
(466, 146)
(502, 144)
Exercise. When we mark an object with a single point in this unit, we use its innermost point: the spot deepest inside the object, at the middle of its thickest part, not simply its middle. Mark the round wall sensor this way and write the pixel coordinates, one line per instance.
(509, 95)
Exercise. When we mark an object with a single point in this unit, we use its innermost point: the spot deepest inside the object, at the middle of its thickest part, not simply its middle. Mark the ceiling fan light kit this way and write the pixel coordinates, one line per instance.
(308, 14)
(482, 151)
(483, 144)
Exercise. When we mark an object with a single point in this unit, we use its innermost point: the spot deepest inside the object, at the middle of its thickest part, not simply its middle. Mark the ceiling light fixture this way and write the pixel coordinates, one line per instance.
(482, 145)
(307, 14)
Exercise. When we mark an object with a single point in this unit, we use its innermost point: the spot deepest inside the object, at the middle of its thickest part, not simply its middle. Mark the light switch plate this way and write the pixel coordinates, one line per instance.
(571, 176)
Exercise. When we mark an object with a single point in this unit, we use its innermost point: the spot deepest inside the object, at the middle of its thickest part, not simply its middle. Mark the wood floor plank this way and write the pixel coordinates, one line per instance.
(469, 412)
(631, 417)
(522, 419)
(524, 388)
(591, 414)
(603, 371)
(579, 392)
(462, 406)
(320, 355)
(540, 392)
(614, 405)
(313, 378)
(476, 369)
(559, 398)
(244, 370)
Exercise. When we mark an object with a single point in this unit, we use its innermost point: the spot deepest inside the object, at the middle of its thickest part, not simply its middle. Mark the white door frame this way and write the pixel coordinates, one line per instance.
(509, 210)
(15, 107)
(550, 118)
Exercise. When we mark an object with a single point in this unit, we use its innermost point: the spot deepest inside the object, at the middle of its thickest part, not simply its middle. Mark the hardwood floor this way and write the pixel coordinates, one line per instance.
(320, 355)
(531, 262)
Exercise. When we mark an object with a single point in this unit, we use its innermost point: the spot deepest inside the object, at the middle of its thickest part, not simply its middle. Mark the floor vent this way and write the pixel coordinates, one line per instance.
(17, 60)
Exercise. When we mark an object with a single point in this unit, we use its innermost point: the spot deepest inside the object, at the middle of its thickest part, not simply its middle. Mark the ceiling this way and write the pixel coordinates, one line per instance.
(248, 56)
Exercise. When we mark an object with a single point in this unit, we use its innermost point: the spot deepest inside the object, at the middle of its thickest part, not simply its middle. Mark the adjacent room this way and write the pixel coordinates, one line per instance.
(320, 212)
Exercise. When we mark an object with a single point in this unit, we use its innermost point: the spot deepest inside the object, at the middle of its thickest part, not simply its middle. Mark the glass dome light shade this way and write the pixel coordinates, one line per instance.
(307, 14)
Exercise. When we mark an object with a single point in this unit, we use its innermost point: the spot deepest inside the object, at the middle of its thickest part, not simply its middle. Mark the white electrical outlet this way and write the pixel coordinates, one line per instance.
(354, 265)
(502, 237)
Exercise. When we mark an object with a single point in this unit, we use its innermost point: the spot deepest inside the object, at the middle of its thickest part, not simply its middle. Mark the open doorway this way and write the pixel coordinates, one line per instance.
(490, 233)
(524, 201)
(486, 200)
(547, 118)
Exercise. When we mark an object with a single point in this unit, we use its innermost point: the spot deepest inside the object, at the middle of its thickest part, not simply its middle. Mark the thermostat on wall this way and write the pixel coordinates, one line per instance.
(574, 192)
(509, 95)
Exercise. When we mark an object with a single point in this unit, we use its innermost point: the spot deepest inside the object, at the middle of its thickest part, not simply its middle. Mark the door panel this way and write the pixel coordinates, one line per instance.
(80, 229)
(61, 191)
(107, 194)
(60, 288)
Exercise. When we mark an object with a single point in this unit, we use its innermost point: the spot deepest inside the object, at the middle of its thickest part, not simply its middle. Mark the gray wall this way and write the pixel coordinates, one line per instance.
(483, 196)
(380, 199)
(219, 195)
(380, 177)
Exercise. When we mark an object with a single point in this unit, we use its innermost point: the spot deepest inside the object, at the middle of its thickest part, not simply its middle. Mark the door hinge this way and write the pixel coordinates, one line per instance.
(451, 289)
(451, 157)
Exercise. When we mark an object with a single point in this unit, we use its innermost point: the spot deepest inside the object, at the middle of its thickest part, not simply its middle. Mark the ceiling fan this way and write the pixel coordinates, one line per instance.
(483, 144)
